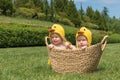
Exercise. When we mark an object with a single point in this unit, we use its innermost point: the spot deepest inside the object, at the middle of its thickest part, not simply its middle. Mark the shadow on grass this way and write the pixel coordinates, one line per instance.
(99, 69)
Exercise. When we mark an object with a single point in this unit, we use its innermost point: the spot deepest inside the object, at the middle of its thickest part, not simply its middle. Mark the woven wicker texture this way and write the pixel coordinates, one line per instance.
(76, 61)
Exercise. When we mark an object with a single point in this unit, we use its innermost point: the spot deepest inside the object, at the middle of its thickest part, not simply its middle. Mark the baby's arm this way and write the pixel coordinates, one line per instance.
(69, 45)
(84, 47)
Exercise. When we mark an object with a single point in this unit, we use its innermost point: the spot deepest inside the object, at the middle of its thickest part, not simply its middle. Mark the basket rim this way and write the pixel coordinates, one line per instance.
(103, 43)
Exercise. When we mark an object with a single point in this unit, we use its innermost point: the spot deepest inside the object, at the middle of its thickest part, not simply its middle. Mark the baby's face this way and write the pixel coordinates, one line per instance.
(82, 42)
(56, 39)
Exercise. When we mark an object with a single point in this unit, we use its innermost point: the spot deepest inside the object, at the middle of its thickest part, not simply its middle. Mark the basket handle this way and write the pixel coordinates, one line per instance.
(104, 42)
(46, 40)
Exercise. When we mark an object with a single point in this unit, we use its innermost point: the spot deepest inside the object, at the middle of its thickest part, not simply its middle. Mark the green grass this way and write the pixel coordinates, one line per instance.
(24, 21)
(33, 22)
(30, 63)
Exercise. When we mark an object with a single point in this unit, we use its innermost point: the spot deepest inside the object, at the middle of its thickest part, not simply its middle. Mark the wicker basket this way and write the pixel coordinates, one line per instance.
(76, 61)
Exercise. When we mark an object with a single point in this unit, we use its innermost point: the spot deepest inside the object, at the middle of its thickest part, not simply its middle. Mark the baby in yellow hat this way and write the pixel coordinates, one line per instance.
(83, 37)
(57, 38)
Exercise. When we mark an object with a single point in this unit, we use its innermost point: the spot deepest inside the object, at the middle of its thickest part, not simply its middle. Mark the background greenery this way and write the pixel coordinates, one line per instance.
(30, 63)
(20, 32)
(16, 31)
(61, 11)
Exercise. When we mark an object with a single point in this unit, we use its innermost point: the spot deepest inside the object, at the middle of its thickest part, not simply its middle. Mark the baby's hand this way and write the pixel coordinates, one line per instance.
(68, 45)
(50, 47)
(84, 47)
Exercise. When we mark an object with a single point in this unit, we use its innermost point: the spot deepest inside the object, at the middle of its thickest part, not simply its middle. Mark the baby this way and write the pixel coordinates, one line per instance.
(57, 38)
(83, 38)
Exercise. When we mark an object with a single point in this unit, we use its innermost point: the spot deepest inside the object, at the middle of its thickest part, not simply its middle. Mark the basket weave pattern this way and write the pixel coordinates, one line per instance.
(76, 61)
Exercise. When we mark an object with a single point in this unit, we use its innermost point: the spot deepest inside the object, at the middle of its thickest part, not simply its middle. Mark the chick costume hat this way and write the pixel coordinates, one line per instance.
(85, 32)
(56, 28)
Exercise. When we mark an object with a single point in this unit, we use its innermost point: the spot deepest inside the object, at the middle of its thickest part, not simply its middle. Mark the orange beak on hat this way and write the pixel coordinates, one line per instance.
(80, 32)
(51, 30)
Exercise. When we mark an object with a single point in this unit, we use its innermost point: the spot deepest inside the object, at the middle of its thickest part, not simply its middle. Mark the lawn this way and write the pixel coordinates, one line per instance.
(30, 63)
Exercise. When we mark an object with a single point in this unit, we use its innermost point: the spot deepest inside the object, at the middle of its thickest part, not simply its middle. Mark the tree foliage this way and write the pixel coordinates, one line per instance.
(62, 11)
(6, 7)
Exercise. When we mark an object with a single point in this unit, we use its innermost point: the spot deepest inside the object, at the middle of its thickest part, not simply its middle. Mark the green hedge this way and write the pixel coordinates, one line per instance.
(17, 35)
(114, 38)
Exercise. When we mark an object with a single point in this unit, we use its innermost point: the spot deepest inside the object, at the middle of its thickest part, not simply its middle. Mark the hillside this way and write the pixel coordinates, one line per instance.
(16, 31)
(33, 22)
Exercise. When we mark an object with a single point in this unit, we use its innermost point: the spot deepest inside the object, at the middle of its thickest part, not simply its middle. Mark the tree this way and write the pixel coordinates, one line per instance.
(61, 8)
(46, 8)
(6, 6)
(30, 4)
(115, 25)
(105, 18)
(72, 13)
(81, 12)
(97, 18)
(60, 5)
(20, 3)
(37, 3)
(52, 10)
(90, 13)
(105, 12)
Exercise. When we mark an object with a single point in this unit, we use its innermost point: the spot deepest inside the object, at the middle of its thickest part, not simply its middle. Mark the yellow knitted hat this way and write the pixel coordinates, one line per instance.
(56, 28)
(85, 32)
